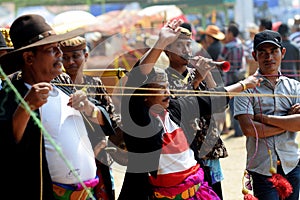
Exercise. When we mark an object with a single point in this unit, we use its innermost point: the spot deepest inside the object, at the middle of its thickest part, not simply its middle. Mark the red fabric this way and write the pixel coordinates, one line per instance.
(250, 197)
(99, 189)
(282, 186)
(174, 142)
(204, 192)
(169, 180)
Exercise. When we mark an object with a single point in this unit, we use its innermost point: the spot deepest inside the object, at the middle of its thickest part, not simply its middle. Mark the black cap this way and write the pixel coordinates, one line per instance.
(267, 36)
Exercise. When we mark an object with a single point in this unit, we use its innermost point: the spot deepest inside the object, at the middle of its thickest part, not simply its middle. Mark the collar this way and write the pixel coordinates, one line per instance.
(265, 79)
(184, 77)
(161, 115)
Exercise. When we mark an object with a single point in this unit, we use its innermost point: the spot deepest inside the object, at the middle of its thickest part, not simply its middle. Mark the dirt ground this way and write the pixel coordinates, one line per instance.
(233, 168)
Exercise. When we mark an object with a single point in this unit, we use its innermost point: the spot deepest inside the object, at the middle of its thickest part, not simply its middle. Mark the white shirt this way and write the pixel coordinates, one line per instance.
(67, 129)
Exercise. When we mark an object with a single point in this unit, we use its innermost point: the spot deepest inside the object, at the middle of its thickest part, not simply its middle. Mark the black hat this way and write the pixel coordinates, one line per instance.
(30, 31)
(3, 45)
(267, 36)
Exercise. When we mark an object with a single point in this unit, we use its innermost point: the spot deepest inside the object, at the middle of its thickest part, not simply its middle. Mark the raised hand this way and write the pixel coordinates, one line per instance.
(202, 65)
(168, 33)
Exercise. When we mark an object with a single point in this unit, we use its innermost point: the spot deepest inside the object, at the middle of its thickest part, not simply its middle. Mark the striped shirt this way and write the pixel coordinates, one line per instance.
(177, 160)
(295, 37)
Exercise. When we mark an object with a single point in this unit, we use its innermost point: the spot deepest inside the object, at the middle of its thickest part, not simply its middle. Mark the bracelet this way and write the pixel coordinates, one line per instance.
(95, 113)
(243, 85)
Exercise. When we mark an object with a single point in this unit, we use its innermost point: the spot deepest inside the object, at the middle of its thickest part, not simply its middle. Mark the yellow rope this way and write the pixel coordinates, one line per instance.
(184, 92)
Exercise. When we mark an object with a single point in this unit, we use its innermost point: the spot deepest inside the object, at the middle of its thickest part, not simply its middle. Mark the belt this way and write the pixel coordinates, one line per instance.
(89, 184)
(188, 193)
(61, 193)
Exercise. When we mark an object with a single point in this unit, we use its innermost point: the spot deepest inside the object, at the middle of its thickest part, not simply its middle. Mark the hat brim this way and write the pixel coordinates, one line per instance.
(218, 36)
(8, 63)
(252, 30)
(6, 48)
(267, 41)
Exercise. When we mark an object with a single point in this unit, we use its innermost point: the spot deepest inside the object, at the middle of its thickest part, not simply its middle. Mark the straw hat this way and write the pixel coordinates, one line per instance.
(252, 28)
(214, 31)
(29, 31)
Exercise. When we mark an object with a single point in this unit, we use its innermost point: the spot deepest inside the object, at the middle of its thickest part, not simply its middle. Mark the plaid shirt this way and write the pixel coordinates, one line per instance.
(234, 53)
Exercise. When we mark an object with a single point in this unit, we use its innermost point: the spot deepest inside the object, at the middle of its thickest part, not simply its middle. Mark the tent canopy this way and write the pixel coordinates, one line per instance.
(190, 3)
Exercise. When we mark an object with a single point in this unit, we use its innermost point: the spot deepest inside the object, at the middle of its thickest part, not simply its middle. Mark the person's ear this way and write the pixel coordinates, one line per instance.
(28, 57)
(86, 55)
(254, 55)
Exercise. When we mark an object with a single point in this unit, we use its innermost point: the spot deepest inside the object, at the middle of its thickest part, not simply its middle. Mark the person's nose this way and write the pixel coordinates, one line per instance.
(59, 52)
(186, 49)
(69, 60)
(167, 91)
(269, 56)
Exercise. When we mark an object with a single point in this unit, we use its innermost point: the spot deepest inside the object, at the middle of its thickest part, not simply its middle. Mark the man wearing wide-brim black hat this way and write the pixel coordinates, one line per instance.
(32, 110)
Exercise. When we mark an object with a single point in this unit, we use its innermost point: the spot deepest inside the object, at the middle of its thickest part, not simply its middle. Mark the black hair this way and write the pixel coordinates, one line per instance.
(284, 30)
(233, 28)
(266, 23)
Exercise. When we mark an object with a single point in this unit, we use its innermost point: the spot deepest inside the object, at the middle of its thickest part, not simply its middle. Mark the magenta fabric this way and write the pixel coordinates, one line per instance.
(204, 192)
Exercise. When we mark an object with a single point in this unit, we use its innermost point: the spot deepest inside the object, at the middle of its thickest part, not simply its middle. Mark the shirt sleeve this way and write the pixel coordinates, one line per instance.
(243, 104)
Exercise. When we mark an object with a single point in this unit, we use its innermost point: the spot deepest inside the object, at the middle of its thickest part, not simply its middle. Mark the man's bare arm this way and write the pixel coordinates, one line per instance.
(288, 122)
(250, 127)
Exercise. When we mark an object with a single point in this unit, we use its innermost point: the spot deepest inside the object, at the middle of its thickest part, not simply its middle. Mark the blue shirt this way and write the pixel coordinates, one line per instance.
(284, 146)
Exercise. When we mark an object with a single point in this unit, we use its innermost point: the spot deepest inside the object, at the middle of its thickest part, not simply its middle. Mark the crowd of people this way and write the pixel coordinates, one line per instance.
(57, 122)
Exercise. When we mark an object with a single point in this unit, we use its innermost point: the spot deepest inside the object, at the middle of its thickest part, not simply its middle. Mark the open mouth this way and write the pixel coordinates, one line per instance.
(186, 56)
(166, 99)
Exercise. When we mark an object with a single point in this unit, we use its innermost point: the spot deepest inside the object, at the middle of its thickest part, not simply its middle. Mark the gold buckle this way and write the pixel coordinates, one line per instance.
(190, 192)
(160, 196)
